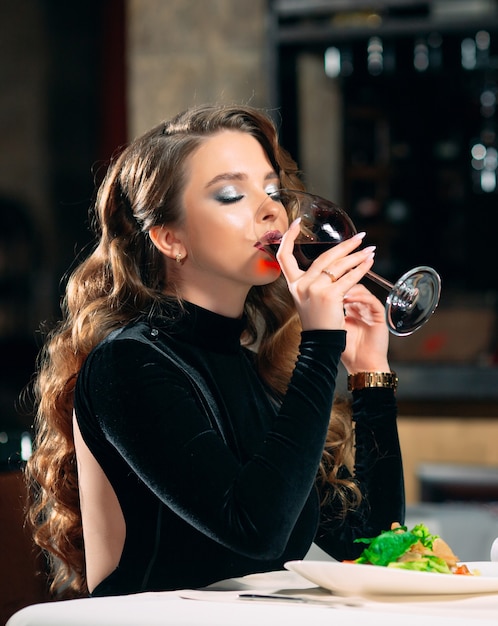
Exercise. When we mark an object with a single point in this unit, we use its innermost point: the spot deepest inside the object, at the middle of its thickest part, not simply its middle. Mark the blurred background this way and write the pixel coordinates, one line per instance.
(389, 109)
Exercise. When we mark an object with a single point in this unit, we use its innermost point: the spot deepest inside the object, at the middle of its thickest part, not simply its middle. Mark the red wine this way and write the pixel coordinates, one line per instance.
(305, 253)
(273, 247)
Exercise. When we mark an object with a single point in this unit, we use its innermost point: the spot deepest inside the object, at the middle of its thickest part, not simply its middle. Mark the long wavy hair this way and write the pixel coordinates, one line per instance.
(124, 278)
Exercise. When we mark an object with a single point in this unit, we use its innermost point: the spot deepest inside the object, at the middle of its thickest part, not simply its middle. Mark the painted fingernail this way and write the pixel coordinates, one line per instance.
(296, 221)
(359, 235)
(369, 249)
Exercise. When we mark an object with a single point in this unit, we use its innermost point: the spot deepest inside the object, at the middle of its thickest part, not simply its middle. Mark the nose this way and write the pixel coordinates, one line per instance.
(270, 209)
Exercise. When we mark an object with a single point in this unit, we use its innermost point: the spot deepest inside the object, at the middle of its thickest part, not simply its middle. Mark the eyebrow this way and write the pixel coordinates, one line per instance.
(228, 176)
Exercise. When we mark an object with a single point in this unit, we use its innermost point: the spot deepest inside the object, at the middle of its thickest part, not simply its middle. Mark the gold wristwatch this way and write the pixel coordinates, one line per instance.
(361, 380)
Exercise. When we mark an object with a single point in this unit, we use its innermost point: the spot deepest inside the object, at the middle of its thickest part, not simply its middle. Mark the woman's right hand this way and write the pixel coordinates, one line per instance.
(319, 292)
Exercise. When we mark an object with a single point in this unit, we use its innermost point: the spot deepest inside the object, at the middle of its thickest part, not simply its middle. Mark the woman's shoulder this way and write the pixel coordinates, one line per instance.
(138, 330)
(125, 342)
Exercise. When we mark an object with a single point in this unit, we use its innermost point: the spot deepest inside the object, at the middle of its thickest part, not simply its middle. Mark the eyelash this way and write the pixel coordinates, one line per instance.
(225, 198)
(276, 194)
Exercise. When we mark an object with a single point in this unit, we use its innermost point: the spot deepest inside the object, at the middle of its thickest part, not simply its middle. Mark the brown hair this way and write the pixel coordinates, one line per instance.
(125, 278)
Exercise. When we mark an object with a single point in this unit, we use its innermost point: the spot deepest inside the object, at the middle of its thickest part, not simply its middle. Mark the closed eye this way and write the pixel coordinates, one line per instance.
(228, 195)
(275, 195)
(228, 198)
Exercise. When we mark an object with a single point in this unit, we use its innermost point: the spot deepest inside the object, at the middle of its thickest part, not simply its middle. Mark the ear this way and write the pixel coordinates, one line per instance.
(166, 241)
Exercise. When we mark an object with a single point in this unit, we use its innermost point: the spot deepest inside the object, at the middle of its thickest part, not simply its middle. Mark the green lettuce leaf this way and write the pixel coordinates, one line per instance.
(390, 545)
(387, 547)
(424, 536)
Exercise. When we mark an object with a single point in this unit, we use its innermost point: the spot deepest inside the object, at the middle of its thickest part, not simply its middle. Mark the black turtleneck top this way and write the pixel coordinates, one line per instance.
(216, 478)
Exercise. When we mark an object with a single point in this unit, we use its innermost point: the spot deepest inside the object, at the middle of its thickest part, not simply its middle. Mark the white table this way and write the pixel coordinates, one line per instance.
(221, 605)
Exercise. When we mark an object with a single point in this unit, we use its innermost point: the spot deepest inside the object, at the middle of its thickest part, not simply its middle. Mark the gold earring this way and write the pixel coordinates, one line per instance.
(178, 258)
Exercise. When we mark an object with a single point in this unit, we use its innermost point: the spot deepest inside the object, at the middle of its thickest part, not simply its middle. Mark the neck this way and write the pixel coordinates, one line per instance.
(225, 300)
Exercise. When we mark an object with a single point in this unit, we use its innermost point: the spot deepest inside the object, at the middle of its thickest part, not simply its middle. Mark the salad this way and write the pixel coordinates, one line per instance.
(415, 549)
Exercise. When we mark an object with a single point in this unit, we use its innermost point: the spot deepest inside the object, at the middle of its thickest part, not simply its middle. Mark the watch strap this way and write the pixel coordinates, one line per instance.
(363, 380)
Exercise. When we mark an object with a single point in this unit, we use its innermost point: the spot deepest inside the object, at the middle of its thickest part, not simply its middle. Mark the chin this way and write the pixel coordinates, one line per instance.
(268, 269)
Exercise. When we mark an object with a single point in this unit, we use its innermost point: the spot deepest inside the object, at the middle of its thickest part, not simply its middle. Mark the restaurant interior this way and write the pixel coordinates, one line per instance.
(390, 109)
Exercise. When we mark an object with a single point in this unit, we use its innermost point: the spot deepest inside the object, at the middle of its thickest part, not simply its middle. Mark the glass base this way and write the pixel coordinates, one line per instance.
(412, 300)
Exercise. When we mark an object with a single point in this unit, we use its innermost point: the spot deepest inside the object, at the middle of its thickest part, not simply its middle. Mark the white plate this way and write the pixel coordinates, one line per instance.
(352, 579)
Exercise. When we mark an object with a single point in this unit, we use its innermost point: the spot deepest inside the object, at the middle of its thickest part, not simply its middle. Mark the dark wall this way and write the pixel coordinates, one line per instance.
(76, 52)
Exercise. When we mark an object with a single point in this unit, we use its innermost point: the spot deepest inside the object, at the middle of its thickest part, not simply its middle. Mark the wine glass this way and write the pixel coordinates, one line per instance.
(410, 301)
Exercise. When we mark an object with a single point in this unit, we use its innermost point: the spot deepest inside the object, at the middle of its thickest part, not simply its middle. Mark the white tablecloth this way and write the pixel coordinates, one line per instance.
(222, 605)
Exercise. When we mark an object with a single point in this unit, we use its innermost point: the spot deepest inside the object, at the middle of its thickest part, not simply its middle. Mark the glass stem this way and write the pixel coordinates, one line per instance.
(380, 281)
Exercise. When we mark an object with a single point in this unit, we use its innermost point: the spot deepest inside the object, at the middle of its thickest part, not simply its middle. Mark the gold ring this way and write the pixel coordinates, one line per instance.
(330, 275)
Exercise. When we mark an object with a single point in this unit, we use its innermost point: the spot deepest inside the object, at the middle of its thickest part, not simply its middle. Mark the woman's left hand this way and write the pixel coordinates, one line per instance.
(367, 339)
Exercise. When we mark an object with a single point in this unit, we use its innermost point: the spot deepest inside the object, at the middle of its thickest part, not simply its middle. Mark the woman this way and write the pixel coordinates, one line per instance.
(184, 415)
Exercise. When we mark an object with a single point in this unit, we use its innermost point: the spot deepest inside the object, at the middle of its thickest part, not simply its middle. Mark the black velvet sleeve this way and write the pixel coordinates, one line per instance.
(145, 410)
(378, 472)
